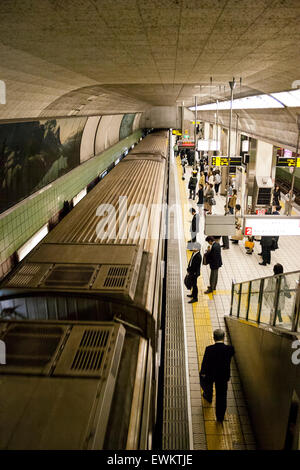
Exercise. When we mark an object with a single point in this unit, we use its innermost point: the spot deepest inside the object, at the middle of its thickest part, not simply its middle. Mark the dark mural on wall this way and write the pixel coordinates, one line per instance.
(126, 125)
(33, 154)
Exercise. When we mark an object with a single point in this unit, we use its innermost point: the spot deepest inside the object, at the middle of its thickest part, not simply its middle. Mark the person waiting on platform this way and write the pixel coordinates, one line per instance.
(238, 226)
(215, 369)
(232, 201)
(217, 181)
(289, 199)
(192, 186)
(175, 148)
(284, 291)
(214, 259)
(194, 229)
(276, 196)
(183, 164)
(209, 199)
(266, 245)
(193, 271)
(200, 195)
(202, 178)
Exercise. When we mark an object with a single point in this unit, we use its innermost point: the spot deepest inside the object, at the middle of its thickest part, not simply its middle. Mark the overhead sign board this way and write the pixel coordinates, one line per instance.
(175, 132)
(225, 161)
(269, 225)
(208, 145)
(283, 161)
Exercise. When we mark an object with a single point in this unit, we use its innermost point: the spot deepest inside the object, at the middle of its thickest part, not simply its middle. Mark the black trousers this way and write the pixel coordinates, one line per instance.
(225, 240)
(192, 193)
(195, 288)
(213, 279)
(266, 254)
(221, 394)
(217, 187)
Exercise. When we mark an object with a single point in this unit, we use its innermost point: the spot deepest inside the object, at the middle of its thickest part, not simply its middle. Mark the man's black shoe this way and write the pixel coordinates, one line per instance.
(263, 264)
(225, 247)
(208, 291)
(193, 301)
(259, 254)
(189, 295)
(220, 420)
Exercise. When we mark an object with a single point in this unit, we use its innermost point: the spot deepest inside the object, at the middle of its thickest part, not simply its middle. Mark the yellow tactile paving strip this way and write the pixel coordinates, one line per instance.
(229, 435)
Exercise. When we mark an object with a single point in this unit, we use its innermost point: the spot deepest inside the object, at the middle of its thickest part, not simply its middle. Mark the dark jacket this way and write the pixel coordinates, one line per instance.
(200, 196)
(194, 264)
(195, 224)
(213, 256)
(216, 362)
(266, 241)
(193, 182)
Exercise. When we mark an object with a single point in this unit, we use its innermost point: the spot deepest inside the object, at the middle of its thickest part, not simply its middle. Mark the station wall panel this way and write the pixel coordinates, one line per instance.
(87, 147)
(21, 222)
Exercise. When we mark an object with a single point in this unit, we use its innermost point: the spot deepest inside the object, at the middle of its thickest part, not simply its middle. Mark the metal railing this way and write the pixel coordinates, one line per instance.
(272, 300)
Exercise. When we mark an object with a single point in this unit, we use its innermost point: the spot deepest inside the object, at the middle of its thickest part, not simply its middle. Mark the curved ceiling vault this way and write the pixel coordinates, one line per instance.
(91, 57)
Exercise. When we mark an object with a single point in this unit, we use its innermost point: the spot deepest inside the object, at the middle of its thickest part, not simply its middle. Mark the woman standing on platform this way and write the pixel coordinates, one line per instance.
(200, 195)
(232, 202)
(217, 181)
(276, 196)
(210, 194)
(202, 179)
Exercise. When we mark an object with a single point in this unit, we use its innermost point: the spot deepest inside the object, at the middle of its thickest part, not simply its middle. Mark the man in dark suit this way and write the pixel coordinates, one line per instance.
(215, 368)
(194, 225)
(266, 245)
(214, 260)
(193, 270)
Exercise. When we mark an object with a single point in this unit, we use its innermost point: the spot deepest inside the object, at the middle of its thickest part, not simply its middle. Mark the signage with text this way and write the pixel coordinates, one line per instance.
(225, 161)
(271, 225)
(283, 161)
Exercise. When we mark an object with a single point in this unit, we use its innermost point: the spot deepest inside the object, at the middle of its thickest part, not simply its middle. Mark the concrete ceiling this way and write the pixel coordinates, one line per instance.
(87, 57)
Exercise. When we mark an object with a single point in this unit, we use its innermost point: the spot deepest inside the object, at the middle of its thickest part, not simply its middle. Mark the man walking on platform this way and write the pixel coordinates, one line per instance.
(214, 259)
(193, 270)
(215, 368)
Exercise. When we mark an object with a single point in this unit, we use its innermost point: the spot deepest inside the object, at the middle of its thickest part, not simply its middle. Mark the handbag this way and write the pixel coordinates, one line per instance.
(238, 235)
(249, 244)
(188, 281)
(204, 259)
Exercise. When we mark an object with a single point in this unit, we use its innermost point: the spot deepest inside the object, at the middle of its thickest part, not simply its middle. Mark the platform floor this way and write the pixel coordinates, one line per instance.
(207, 314)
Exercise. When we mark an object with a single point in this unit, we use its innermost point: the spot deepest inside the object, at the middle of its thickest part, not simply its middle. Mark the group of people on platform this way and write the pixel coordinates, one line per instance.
(215, 367)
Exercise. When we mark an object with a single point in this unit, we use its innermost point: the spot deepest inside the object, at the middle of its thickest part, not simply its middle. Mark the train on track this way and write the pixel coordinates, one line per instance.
(81, 317)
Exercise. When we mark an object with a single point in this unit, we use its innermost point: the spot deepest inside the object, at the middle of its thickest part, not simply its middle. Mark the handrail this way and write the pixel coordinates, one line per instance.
(269, 298)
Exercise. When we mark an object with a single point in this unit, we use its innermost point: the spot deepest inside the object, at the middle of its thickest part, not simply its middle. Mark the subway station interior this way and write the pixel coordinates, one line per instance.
(134, 135)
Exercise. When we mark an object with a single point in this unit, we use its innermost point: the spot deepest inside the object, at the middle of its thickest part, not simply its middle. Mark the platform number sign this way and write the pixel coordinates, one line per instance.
(248, 231)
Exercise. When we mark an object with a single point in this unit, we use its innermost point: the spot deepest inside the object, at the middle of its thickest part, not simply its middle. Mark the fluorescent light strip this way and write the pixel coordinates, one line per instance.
(274, 100)
(79, 196)
(32, 242)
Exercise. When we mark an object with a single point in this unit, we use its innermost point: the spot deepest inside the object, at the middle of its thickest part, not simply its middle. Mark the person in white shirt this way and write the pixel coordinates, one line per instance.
(217, 181)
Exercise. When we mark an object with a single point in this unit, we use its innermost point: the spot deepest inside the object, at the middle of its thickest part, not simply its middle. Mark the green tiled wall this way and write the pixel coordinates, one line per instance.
(22, 221)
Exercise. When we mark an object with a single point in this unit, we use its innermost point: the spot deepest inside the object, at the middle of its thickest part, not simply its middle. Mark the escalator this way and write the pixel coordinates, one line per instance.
(264, 327)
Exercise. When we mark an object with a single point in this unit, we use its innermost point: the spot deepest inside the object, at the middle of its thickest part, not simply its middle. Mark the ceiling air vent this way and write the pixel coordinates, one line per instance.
(89, 351)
